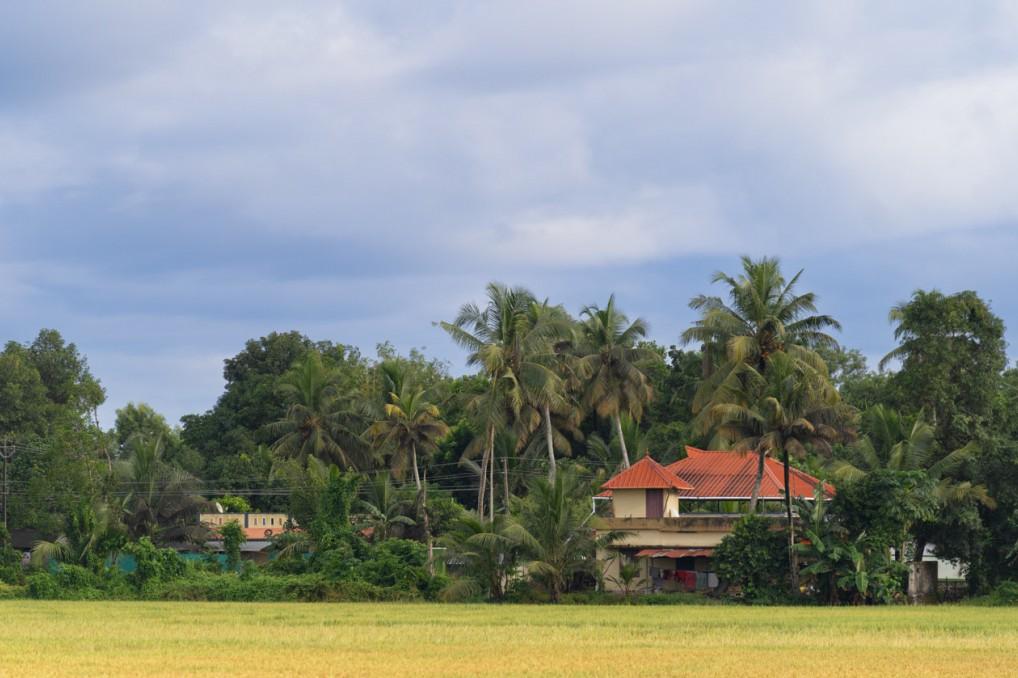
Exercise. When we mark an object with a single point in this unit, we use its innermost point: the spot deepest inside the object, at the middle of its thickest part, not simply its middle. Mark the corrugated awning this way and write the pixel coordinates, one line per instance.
(676, 553)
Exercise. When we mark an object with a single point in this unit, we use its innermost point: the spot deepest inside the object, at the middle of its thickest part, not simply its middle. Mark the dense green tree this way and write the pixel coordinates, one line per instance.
(24, 407)
(674, 375)
(65, 374)
(230, 437)
(891, 443)
(753, 558)
(951, 353)
(885, 505)
(141, 420)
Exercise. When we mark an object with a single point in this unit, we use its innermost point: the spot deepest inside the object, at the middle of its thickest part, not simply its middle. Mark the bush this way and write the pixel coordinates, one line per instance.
(43, 585)
(10, 561)
(337, 563)
(1005, 595)
(262, 588)
(396, 563)
(153, 563)
(754, 558)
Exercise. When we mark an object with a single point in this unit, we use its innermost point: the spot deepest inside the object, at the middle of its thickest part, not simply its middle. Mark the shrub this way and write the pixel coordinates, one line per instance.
(10, 561)
(233, 537)
(337, 563)
(754, 559)
(233, 504)
(396, 563)
(1005, 595)
(43, 585)
(152, 562)
(262, 588)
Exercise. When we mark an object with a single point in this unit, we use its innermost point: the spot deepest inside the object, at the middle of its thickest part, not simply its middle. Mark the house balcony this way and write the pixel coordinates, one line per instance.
(689, 522)
(687, 530)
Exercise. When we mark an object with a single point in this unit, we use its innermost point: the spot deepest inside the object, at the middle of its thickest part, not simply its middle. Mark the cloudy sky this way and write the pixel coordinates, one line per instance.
(176, 178)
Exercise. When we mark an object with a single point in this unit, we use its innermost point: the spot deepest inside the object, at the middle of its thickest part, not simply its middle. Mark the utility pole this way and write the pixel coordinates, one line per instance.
(7, 450)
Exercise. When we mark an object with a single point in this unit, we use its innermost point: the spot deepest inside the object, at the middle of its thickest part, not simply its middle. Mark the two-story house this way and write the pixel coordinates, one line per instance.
(673, 516)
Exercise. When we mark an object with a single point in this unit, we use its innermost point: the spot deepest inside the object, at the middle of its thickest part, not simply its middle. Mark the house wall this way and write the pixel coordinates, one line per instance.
(270, 521)
(633, 503)
(671, 504)
(629, 503)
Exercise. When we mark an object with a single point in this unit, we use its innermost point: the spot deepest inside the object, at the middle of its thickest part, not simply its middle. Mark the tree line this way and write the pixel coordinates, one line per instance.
(498, 466)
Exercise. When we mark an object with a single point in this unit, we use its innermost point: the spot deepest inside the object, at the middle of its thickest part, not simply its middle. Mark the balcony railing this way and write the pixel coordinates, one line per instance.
(689, 522)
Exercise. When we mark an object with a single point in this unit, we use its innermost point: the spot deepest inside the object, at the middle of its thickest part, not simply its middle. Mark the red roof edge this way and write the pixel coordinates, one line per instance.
(646, 474)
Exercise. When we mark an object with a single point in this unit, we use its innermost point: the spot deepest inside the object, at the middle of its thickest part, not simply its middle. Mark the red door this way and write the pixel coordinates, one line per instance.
(655, 503)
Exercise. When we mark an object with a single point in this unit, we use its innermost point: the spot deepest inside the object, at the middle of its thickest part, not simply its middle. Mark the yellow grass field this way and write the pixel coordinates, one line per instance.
(148, 639)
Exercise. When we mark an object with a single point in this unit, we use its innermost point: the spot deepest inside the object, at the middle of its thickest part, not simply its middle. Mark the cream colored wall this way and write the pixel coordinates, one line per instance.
(629, 503)
(671, 504)
(633, 503)
(651, 538)
(266, 520)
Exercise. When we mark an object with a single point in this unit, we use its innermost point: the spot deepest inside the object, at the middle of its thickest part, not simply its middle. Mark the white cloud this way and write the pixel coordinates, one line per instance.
(658, 225)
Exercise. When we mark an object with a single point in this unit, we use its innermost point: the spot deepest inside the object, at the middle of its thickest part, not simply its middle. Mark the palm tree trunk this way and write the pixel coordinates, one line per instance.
(622, 441)
(548, 439)
(793, 561)
(505, 479)
(491, 479)
(413, 458)
(759, 479)
(427, 526)
(482, 485)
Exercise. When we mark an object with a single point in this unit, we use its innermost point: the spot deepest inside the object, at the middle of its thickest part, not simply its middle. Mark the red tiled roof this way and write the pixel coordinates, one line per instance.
(646, 474)
(730, 475)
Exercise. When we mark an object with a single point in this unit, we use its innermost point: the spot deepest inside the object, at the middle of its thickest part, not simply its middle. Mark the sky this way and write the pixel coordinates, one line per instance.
(176, 178)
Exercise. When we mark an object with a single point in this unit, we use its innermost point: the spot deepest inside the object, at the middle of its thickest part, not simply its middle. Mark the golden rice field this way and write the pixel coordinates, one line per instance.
(149, 639)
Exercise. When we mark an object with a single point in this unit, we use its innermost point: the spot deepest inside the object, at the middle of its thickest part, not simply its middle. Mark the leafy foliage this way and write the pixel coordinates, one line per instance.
(753, 559)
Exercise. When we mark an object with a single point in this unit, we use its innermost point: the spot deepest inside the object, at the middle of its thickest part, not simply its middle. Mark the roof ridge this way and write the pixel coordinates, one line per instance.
(777, 481)
(658, 471)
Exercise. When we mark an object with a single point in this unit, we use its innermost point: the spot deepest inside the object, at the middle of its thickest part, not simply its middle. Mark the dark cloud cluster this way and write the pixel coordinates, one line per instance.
(177, 178)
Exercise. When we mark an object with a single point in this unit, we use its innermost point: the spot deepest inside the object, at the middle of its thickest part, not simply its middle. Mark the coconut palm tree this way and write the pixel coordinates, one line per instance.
(412, 425)
(91, 535)
(383, 509)
(512, 340)
(162, 501)
(558, 537)
(890, 443)
(764, 314)
(490, 550)
(615, 385)
(320, 422)
(779, 413)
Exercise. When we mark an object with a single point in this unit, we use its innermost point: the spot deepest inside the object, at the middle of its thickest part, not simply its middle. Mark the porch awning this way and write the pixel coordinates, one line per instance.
(676, 553)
